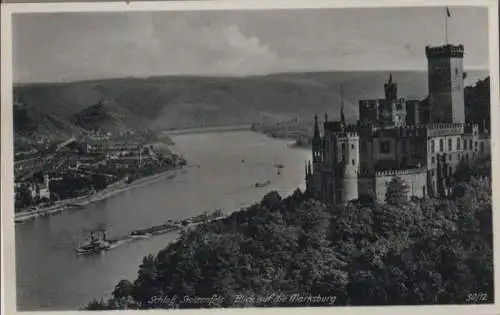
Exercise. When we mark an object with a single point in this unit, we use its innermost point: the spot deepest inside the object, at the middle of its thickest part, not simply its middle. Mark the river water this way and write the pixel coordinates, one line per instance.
(51, 277)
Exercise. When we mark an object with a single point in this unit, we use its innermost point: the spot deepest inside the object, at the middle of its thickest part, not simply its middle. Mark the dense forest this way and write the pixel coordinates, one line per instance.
(402, 252)
(477, 102)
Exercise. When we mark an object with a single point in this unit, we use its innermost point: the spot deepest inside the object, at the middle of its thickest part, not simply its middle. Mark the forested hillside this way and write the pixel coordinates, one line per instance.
(400, 253)
(477, 102)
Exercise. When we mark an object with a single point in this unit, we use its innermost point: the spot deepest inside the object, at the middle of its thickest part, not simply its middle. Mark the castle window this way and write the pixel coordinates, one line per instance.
(449, 145)
(456, 71)
(476, 145)
(441, 145)
(458, 144)
(353, 162)
(432, 146)
(385, 147)
(482, 147)
(433, 160)
(352, 146)
(467, 157)
(470, 145)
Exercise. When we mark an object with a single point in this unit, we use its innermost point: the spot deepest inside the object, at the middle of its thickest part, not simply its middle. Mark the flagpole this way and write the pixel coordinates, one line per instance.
(446, 27)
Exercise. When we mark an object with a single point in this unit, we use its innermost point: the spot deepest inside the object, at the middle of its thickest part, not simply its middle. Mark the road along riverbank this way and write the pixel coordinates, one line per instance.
(177, 132)
(83, 201)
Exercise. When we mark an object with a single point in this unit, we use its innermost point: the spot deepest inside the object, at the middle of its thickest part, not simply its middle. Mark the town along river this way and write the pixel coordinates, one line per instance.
(51, 277)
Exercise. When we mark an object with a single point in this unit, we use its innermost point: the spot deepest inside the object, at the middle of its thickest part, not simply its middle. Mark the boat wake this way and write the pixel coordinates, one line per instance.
(98, 243)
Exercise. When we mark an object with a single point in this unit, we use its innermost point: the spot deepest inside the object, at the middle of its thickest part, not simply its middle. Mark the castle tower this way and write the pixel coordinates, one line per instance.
(316, 143)
(391, 89)
(346, 166)
(446, 83)
(315, 173)
(308, 177)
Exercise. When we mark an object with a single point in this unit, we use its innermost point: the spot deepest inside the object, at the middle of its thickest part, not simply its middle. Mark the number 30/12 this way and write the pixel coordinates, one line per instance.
(477, 297)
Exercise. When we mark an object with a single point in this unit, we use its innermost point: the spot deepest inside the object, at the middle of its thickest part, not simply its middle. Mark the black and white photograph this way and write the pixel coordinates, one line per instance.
(222, 156)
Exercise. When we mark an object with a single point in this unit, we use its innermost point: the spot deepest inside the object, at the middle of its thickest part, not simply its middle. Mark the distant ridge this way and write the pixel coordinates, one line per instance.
(175, 102)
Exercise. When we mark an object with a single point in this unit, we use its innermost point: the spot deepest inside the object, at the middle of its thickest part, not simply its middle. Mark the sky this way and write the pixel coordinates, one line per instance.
(61, 47)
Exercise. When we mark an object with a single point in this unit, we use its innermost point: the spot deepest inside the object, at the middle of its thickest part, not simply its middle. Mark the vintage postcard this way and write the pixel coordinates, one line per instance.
(252, 156)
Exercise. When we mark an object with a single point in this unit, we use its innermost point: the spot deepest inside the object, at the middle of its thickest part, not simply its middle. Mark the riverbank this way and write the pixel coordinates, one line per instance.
(298, 143)
(84, 201)
(187, 131)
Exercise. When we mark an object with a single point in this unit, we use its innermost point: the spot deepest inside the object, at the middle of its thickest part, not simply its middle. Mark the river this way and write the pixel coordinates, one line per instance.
(51, 277)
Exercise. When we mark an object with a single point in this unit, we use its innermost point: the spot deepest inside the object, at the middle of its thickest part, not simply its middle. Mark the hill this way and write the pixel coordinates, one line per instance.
(106, 116)
(193, 102)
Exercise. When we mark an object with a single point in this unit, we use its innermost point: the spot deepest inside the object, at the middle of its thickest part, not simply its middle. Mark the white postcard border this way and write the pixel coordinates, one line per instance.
(8, 287)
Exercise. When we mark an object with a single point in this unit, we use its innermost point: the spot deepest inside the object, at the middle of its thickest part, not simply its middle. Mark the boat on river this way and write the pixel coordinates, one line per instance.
(97, 243)
(262, 184)
(155, 230)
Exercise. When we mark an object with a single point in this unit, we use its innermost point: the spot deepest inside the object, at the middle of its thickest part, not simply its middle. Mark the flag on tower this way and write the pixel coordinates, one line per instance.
(448, 15)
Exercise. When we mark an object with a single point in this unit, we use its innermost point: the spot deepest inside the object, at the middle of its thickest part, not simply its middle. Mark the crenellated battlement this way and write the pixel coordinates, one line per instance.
(403, 131)
(444, 126)
(397, 172)
(443, 129)
(446, 51)
(393, 172)
(348, 134)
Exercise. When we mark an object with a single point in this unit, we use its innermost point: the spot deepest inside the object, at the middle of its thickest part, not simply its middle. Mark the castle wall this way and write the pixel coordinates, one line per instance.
(366, 186)
(457, 90)
(384, 148)
(484, 146)
(413, 112)
(368, 111)
(387, 112)
(452, 146)
(415, 179)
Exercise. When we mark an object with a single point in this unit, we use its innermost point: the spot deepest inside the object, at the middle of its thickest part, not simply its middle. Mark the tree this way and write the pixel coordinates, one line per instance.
(430, 251)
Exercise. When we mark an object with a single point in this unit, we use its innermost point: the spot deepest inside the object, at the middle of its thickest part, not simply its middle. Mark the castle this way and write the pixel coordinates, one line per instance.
(421, 142)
